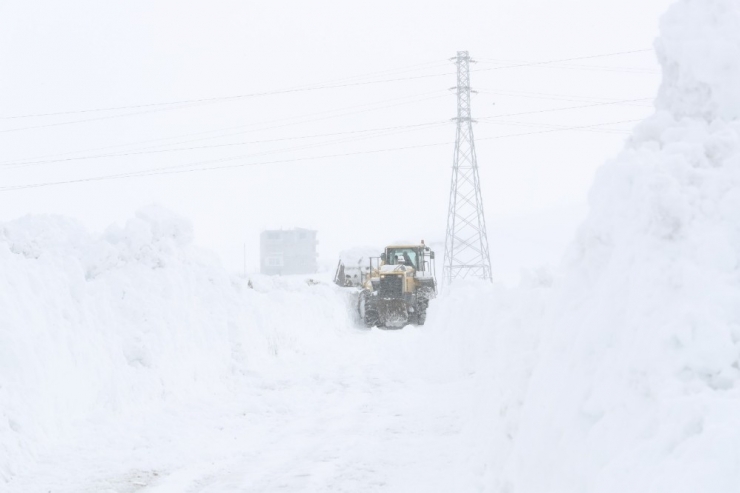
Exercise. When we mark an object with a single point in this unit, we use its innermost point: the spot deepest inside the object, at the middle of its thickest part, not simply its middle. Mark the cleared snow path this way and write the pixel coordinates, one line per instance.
(132, 362)
(377, 417)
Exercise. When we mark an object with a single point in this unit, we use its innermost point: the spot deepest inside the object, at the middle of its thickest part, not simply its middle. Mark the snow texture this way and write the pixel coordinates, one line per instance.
(698, 50)
(94, 328)
(637, 386)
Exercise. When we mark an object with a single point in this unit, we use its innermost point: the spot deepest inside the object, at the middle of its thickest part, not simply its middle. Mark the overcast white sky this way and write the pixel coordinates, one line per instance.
(87, 55)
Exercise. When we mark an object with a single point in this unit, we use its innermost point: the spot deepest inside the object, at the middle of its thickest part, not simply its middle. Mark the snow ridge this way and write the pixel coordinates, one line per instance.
(638, 376)
(94, 329)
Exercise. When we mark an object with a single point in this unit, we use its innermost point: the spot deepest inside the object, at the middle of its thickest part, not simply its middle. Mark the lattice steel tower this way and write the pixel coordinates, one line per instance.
(466, 243)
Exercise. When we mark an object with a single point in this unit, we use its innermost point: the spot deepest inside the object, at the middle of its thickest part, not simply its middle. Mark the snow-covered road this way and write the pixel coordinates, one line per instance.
(379, 414)
(133, 362)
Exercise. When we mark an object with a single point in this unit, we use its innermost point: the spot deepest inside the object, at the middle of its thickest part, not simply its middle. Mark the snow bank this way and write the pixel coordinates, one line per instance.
(637, 385)
(98, 328)
(490, 334)
(698, 50)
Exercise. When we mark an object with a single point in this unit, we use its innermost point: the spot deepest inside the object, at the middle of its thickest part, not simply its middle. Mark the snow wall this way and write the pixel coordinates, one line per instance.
(637, 382)
(138, 319)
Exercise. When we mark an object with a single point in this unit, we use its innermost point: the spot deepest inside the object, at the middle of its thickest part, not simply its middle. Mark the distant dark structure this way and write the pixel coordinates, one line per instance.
(287, 252)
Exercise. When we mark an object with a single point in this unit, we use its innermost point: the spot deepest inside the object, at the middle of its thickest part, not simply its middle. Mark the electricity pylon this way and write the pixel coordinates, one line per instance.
(466, 243)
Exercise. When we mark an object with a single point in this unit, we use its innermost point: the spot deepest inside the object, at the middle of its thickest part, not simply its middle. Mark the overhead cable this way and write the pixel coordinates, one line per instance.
(262, 126)
(284, 91)
(179, 168)
(304, 87)
(380, 131)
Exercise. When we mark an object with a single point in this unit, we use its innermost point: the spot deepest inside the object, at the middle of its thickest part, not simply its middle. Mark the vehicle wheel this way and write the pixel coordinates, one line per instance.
(368, 312)
(421, 314)
(371, 319)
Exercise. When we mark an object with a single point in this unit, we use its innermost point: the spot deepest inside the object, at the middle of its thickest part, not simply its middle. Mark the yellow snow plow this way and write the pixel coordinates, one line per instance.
(394, 288)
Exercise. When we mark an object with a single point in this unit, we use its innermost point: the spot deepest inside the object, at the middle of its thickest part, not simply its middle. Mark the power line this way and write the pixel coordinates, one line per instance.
(222, 98)
(547, 62)
(565, 127)
(381, 131)
(177, 169)
(172, 170)
(284, 91)
(192, 102)
(559, 129)
(597, 68)
(98, 118)
(16, 164)
(284, 123)
(302, 120)
(616, 102)
(563, 109)
(556, 97)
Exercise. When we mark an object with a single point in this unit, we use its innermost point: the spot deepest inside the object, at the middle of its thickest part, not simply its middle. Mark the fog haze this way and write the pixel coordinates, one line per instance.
(391, 63)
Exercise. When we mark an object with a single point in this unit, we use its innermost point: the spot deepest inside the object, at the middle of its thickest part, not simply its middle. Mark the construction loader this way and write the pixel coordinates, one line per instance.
(394, 288)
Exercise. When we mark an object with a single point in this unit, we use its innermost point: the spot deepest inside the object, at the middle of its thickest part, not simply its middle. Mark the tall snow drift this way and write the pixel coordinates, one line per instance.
(638, 383)
(101, 328)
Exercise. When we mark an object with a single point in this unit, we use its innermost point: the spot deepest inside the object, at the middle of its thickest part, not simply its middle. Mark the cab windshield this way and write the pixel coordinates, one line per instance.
(405, 256)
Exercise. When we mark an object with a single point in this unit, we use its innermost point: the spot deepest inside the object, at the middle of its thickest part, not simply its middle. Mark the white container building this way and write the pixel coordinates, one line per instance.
(287, 252)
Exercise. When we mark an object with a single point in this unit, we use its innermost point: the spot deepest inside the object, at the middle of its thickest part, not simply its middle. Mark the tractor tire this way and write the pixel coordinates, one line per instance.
(368, 311)
(421, 314)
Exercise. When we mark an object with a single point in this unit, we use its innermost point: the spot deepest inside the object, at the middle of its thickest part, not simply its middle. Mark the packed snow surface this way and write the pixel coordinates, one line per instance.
(132, 362)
